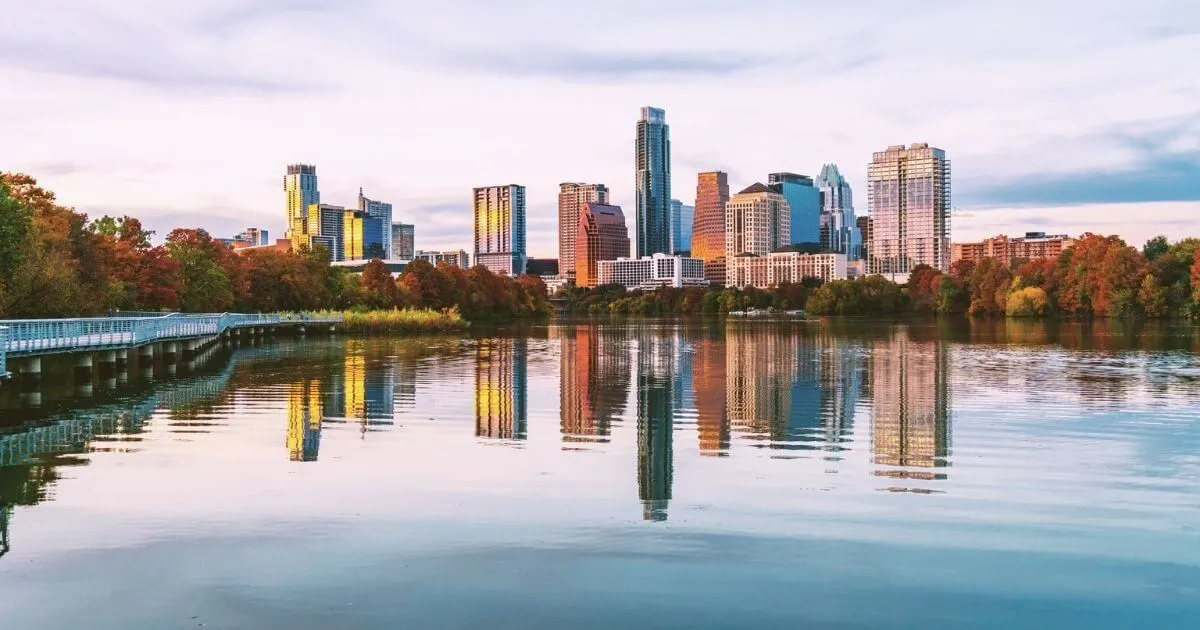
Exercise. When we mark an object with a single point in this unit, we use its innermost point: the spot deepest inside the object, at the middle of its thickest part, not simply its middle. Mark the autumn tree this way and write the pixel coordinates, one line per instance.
(378, 285)
(204, 284)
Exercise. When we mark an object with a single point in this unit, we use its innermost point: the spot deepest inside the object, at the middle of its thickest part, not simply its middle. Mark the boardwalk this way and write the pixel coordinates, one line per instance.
(36, 337)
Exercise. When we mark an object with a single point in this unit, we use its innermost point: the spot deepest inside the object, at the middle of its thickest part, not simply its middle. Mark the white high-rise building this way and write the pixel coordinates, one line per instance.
(908, 192)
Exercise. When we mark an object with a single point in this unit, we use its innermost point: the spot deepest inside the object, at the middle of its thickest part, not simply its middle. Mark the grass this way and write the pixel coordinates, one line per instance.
(422, 320)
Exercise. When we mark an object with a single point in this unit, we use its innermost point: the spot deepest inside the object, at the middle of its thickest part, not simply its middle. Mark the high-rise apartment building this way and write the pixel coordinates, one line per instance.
(757, 222)
(652, 158)
(804, 206)
(865, 233)
(403, 241)
(771, 270)
(383, 212)
(326, 225)
(839, 233)
(363, 236)
(571, 198)
(256, 237)
(602, 236)
(458, 258)
(682, 218)
(500, 228)
(708, 226)
(300, 188)
(908, 192)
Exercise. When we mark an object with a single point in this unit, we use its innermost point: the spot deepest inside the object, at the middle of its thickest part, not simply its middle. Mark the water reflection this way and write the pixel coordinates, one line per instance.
(656, 362)
(501, 379)
(910, 420)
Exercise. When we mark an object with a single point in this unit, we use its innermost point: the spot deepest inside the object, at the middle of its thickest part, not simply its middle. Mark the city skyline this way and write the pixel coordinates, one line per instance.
(98, 120)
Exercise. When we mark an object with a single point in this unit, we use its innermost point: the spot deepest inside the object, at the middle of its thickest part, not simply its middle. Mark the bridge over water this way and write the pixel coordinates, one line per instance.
(23, 342)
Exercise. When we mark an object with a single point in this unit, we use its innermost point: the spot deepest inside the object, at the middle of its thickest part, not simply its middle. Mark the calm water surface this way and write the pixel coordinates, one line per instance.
(614, 474)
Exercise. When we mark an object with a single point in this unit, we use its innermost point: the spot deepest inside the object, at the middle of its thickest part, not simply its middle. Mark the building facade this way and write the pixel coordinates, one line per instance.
(458, 258)
(838, 228)
(908, 191)
(757, 222)
(804, 205)
(403, 241)
(652, 158)
(326, 226)
(708, 226)
(571, 198)
(300, 189)
(500, 228)
(602, 236)
(254, 237)
(383, 212)
(682, 218)
(865, 234)
(1033, 246)
(363, 236)
(651, 272)
(776, 268)
(542, 266)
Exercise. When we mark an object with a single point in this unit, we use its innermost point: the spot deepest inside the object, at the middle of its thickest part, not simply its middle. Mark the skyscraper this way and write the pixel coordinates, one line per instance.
(756, 222)
(383, 212)
(403, 241)
(500, 228)
(708, 232)
(804, 203)
(363, 236)
(838, 230)
(652, 157)
(571, 197)
(682, 218)
(909, 198)
(326, 226)
(300, 187)
(602, 236)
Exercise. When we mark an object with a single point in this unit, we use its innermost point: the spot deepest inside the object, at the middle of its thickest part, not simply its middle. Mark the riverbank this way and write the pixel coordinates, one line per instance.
(410, 320)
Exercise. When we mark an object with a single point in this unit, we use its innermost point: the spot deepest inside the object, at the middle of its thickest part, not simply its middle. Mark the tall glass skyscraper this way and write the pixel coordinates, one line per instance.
(652, 157)
(403, 237)
(805, 203)
(909, 199)
(383, 212)
(500, 229)
(839, 233)
(300, 187)
(681, 227)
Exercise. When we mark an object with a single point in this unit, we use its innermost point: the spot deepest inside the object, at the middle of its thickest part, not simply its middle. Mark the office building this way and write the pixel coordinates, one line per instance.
(908, 193)
(542, 267)
(300, 188)
(381, 211)
(571, 198)
(682, 218)
(652, 272)
(458, 258)
(327, 227)
(838, 230)
(602, 236)
(652, 157)
(757, 222)
(776, 268)
(253, 237)
(500, 228)
(804, 204)
(864, 239)
(1033, 246)
(363, 236)
(708, 231)
(403, 241)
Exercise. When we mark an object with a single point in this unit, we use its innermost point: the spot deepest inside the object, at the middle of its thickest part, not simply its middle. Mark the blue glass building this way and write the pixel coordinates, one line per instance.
(652, 157)
(805, 202)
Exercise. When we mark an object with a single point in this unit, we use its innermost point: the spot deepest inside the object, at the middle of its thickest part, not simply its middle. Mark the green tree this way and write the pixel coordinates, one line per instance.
(1155, 247)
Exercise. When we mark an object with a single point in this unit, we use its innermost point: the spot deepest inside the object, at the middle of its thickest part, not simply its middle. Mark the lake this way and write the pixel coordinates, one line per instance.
(619, 473)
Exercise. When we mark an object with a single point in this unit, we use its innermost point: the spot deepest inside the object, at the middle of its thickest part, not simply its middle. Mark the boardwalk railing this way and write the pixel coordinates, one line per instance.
(3, 352)
(43, 336)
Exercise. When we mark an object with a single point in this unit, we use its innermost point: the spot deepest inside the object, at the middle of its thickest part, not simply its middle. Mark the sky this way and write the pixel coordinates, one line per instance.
(1056, 117)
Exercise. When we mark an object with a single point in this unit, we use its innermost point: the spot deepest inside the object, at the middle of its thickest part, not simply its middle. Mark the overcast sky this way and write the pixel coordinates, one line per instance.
(1058, 116)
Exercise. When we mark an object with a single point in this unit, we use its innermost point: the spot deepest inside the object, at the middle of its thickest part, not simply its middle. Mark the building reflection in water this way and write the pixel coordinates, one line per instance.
(910, 420)
(656, 360)
(594, 384)
(500, 382)
(305, 412)
(368, 390)
(708, 378)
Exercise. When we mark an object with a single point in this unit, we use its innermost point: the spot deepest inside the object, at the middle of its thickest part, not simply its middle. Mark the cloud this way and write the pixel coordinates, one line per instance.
(580, 64)
(1164, 179)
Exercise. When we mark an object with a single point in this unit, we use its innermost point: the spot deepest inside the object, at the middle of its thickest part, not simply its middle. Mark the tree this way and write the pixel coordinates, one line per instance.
(1026, 302)
(378, 284)
(1155, 247)
(1153, 298)
(16, 224)
(204, 284)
